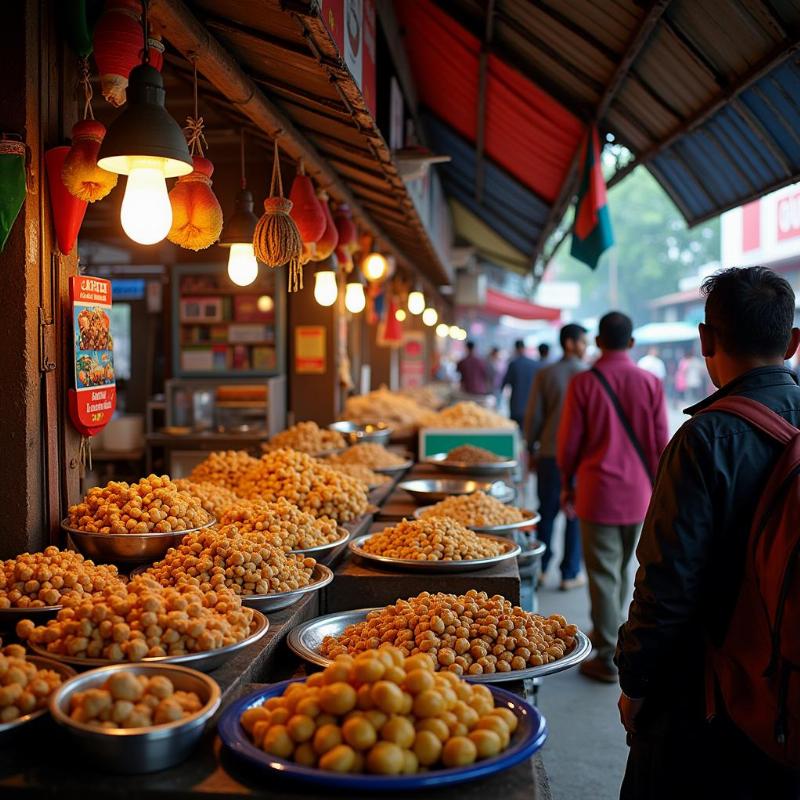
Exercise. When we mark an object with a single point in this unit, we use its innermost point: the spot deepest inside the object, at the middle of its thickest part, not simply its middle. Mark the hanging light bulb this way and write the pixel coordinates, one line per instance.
(375, 267)
(416, 302)
(145, 143)
(355, 301)
(242, 264)
(462, 335)
(238, 231)
(442, 330)
(454, 329)
(265, 304)
(326, 289)
(400, 315)
(430, 317)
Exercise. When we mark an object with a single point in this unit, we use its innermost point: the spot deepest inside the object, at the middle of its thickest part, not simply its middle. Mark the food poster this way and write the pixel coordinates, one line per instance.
(94, 398)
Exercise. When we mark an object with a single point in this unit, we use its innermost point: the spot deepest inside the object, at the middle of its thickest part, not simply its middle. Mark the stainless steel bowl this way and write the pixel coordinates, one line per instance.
(531, 520)
(442, 462)
(321, 576)
(9, 617)
(355, 432)
(127, 548)
(432, 490)
(512, 550)
(10, 730)
(135, 750)
(205, 660)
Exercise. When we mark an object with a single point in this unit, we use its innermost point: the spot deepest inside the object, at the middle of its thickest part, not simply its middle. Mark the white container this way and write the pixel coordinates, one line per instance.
(124, 433)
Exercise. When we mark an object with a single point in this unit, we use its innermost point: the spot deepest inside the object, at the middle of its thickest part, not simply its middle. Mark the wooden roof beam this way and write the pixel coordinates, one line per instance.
(193, 40)
(632, 51)
(480, 122)
(762, 68)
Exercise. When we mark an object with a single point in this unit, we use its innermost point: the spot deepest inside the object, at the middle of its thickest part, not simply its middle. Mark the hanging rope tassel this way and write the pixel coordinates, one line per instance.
(276, 240)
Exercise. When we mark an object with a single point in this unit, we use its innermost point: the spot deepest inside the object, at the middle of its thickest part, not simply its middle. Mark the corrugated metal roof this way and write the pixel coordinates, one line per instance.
(708, 102)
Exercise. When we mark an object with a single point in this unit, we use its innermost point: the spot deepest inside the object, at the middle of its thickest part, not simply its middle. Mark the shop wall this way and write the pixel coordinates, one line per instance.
(40, 468)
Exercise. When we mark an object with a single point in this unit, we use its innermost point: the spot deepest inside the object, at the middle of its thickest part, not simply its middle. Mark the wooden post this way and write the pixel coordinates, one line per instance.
(39, 473)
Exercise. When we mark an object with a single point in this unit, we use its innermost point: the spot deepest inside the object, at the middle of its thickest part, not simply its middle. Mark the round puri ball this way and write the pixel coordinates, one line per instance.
(386, 758)
(459, 752)
(338, 759)
(487, 742)
(359, 733)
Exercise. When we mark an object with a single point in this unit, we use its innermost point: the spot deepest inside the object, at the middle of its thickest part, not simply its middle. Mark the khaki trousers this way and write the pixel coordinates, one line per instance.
(607, 551)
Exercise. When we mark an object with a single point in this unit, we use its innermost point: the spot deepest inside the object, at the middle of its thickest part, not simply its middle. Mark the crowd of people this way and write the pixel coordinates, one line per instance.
(706, 652)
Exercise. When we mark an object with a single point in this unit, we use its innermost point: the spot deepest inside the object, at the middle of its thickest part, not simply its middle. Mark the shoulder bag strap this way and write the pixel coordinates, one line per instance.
(623, 418)
(758, 415)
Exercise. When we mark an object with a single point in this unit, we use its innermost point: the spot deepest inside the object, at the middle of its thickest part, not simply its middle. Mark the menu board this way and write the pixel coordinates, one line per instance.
(94, 397)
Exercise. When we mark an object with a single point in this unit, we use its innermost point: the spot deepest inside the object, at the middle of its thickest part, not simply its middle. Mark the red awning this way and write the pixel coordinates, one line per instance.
(498, 304)
(528, 133)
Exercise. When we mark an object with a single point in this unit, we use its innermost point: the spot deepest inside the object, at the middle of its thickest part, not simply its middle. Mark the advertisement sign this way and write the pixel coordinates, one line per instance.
(764, 231)
(412, 360)
(94, 398)
(309, 350)
(351, 24)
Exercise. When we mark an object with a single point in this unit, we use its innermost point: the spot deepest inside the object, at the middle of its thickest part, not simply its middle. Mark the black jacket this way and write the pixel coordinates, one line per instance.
(693, 544)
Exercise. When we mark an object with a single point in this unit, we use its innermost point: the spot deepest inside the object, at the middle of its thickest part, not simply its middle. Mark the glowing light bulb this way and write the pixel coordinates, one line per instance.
(462, 334)
(430, 317)
(375, 267)
(265, 304)
(242, 264)
(442, 330)
(325, 289)
(355, 300)
(454, 329)
(146, 214)
(416, 302)
(400, 315)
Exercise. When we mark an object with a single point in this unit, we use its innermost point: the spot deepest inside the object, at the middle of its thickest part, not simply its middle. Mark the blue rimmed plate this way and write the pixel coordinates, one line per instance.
(527, 739)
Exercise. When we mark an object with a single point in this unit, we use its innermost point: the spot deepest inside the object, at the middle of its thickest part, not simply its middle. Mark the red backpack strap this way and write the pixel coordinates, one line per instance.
(758, 415)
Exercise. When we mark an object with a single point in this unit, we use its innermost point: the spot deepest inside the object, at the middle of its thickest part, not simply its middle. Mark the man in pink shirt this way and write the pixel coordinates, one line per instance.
(613, 429)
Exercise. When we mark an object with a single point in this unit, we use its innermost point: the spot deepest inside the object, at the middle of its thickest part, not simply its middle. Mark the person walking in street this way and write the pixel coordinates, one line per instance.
(519, 376)
(472, 370)
(653, 364)
(542, 418)
(544, 354)
(612, 432)
(494, 375)
(697, 597)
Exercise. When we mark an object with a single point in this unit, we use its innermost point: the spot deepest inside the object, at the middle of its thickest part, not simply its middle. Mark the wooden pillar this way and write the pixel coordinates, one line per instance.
(383, 361)
(312, 395)
(39, 474)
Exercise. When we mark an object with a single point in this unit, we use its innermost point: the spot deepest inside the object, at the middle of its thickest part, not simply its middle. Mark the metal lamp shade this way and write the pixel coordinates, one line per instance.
(145, 129)
(241, 225)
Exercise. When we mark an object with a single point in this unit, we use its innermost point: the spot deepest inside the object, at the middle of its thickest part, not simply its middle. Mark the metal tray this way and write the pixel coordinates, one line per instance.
(406, 465)
(207, 661)
(127, 548)
(322, 550)
(432, 490)
(9, 729)
(442, 462)
(529, 522)
(321, 576)
(412, 565)
(9, 617)
(306, 640)
(355, 432)
(529, 736)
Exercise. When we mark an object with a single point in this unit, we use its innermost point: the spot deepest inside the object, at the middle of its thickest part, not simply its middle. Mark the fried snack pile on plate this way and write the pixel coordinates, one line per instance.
(282, 523)
(470, 454)
(478, 508)
(34, 580)
(467, 415)
(432, 539)
(214, 498)
(381, 713)
(153, 505)
(468, 634)
(369, 454)
(307, 437)
(245, 563)
(25, 687)
(143, 619)
(223, 468)
(360, 472)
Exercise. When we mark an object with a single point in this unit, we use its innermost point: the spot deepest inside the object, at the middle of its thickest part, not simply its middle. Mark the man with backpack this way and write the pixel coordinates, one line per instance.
(709, 659)
(612, 431)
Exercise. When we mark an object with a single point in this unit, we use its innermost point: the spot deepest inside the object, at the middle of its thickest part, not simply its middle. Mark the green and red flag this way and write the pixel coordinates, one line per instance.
(591, 230)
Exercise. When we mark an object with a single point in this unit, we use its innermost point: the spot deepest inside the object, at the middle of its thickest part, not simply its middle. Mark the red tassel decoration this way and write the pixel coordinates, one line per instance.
(68, 211)
(118, 43)
(196, 212)
(306, 211)
(330, 237)
(81, 175)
